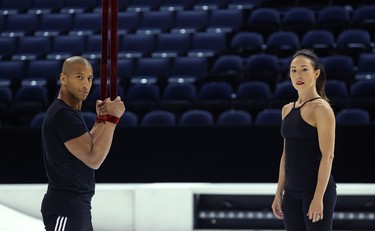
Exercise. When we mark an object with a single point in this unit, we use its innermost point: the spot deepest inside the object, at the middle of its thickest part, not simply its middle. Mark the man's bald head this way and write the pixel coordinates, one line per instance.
(71, 62)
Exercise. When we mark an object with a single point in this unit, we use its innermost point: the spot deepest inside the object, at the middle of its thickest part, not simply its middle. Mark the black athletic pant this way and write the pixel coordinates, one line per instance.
(64, 223)
(296, 206)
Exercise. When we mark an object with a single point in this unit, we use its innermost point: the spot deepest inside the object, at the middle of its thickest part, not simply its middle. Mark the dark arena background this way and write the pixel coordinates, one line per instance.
(203, 81)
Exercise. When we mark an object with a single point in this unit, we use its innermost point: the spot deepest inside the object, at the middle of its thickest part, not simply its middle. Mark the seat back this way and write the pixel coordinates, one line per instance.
(268, 117)
(234, 118)
(196, 117)
(353, 116)
(246, 43)
(159, 118)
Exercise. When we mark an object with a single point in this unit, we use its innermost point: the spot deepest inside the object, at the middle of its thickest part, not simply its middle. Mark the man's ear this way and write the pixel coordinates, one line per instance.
(62, 78)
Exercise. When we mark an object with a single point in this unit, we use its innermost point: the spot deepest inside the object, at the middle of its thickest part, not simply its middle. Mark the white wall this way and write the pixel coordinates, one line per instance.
(133, 207)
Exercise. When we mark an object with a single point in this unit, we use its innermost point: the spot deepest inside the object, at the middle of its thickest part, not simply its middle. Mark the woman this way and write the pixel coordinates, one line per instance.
(306, 192)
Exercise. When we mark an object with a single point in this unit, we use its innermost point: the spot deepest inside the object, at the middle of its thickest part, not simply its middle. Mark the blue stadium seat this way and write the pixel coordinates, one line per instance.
(14, 7)
(128, 119)
(8, 46)
(264, 20)
(128, 22)
(86, 24)
(214, 97)
(234, 118)
(282, 43)
(365, 67)
(136, 45)
(210, 4)
(262, 67)
(337, 93)
(54, 24)
(155, 22)
(188, 69)
(93, 50)
(125, 70)
(45, 6)
(244, 4)
(159, 118)
(225, 20)
(65, 46)
(298, 20)
(269, 117)
(171, 45)
(227, 68)
(37, 120)
(196, 117)
(353, 42)
(321, 41)
(78, 7)
(19, 25)
(11, 72)
(363, 17)
(246, 43)
(353, 116)
(143, 5)
(150, 70)
(32, 47)
(207, 44)
(190, 21)
(2, 22)
(178, 97)
(122, 5)
(6, 97)
(142, 98)
(362, 95)
(28, 101)
(48, 70)
(340, 67)
(252, 96)
(176, 5)
(283, 94)
(334, 18)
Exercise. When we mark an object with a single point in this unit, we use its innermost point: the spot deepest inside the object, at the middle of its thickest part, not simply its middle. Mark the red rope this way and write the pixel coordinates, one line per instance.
(114, 44)
(104, 57)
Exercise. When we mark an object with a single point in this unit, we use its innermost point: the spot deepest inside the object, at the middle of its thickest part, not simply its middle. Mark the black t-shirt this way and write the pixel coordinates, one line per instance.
(71, 183)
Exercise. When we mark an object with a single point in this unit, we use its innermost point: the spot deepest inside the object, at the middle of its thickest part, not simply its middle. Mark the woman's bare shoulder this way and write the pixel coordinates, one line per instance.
(286, 109)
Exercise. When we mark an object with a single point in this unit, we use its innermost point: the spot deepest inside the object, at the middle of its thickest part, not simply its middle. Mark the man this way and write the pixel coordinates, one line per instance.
(71, 151)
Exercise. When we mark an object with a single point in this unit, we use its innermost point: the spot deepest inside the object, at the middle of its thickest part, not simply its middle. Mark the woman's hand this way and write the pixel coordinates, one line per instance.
(277, 207)
(315, 212)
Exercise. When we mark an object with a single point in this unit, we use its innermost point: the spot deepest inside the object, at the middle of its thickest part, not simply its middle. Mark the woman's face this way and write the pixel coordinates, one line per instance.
(302, 73)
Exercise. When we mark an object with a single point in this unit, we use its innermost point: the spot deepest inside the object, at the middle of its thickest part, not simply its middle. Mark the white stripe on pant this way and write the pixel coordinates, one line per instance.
(60, 223)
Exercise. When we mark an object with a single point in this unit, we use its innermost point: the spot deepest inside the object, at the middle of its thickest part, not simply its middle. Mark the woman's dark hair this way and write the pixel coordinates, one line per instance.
(321, 80)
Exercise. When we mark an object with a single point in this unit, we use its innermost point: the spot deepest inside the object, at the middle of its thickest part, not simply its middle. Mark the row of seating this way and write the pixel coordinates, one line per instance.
(235, 65)
(46, 6)
(214, 90)
(197, 117)
(233, 69)
(200, 44)
(252, 96)
(264, 20)
(42, 6)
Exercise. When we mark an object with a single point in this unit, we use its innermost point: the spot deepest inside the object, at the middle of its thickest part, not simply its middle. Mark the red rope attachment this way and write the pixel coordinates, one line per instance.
(111, 25)
(114, 44)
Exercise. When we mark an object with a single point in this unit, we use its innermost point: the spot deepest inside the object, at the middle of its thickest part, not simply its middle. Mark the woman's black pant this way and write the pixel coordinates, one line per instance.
(296, 206)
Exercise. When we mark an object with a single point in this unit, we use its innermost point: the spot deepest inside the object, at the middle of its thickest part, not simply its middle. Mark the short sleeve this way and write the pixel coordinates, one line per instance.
(69, 124)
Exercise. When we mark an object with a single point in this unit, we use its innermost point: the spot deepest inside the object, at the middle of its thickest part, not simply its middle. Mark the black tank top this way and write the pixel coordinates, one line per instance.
(302, 152)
